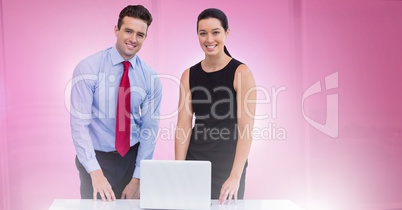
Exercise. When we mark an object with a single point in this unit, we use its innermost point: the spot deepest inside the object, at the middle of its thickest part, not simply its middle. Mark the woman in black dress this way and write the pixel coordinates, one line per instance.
(219, 91)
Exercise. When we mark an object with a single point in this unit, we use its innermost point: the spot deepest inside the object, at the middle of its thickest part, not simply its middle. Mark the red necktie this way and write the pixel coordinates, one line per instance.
(123, 113)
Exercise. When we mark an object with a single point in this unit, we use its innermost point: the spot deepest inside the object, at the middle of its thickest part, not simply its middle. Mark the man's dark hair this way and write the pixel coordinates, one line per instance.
(135, 11)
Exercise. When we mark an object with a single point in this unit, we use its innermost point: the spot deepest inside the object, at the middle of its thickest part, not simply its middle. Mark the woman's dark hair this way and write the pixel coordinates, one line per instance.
(218, 14)
(135, 11)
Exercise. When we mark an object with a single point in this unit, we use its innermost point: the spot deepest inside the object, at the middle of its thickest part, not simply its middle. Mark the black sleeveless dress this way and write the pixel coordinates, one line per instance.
(214, 135)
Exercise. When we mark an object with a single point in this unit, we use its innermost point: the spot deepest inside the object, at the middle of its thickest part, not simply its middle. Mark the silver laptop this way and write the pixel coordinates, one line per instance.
(175, 184)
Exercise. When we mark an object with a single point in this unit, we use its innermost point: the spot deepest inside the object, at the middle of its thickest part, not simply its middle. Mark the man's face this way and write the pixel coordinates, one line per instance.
(130, 37)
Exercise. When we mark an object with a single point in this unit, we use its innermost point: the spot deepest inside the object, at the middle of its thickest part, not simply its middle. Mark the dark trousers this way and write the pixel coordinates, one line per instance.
(117, 170)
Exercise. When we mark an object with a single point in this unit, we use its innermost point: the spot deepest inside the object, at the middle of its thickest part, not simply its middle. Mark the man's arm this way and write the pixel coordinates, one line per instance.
(83, 86)
(150, 114)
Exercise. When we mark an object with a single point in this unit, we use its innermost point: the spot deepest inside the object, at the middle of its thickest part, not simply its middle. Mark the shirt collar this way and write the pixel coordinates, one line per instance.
(117, 58)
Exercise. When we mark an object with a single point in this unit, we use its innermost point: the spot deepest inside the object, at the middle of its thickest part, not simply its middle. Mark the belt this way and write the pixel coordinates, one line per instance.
(115, 151)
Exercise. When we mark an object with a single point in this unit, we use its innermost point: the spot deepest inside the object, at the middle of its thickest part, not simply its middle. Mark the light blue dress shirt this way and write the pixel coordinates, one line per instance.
(95, 84)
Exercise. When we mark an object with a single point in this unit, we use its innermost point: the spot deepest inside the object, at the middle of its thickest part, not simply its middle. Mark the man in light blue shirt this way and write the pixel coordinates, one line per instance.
(94, 98)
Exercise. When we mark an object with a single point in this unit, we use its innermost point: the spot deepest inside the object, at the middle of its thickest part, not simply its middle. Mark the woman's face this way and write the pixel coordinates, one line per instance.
(212, 36)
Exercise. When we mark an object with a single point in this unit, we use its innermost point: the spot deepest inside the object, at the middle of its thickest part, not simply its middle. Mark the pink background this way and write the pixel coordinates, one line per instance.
(287, 44)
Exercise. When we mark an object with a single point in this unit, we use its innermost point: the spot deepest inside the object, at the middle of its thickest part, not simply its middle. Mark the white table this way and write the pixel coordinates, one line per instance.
(89, 204)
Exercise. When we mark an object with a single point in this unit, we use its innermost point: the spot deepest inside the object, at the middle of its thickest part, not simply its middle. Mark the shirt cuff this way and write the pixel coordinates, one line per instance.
(136, 173)
(91, 165)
